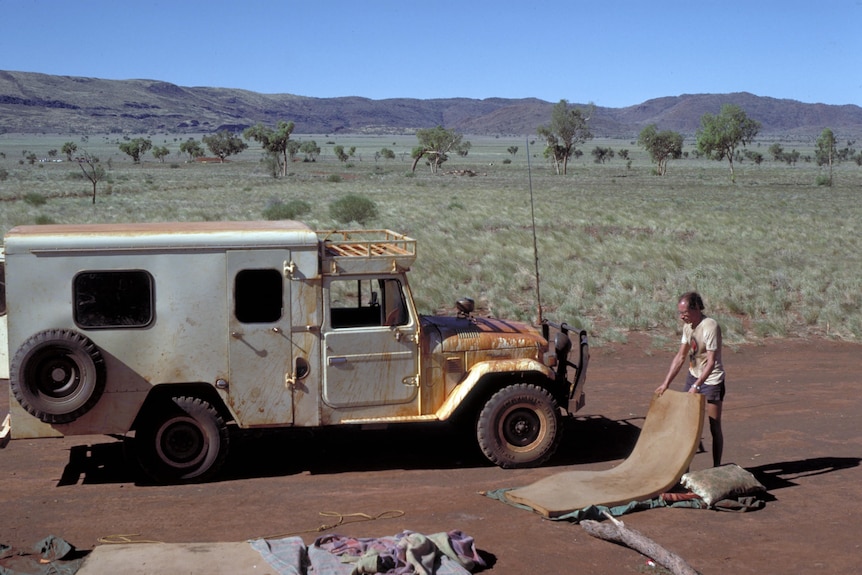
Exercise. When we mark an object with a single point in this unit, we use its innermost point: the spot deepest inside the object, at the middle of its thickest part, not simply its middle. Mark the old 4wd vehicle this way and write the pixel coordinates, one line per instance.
(175, 335)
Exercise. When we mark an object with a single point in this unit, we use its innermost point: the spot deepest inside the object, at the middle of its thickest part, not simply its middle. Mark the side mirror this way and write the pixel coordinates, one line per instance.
(465, 306)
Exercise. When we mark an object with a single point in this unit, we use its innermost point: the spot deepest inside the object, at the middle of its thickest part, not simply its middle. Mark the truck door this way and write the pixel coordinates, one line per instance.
(260, 349)
(370, 350)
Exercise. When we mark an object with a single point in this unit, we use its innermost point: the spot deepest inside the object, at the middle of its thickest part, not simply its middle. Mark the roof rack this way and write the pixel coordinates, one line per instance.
(365, 251)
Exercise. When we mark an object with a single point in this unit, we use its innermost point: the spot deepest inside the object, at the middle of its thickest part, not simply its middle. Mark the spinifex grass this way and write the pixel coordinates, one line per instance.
(774, 255)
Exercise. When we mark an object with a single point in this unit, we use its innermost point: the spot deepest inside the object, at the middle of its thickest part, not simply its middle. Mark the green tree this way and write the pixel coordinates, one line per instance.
(662, 146)
(273, 141)
(340, 153)
(293, 149)
(93, 170)
(602, 155)
(69, 148)
(223, 144)
(777, 152)
(193, 148)
(720, 136)
(512, 150)
(160, 152)
(569, 127)
(435, 145)
(135, 148)
(310, 149)
(825, 151)
(387, 154)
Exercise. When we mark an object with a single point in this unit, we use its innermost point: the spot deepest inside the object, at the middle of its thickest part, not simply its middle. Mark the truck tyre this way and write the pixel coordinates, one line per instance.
(180, 441)
(519, 426)
(57, 375)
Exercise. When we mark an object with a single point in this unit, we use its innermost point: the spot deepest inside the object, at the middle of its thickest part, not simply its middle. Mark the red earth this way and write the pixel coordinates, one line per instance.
(793, 417)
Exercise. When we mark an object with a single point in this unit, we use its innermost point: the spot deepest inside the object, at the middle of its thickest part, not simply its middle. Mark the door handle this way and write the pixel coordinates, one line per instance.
(337, 360)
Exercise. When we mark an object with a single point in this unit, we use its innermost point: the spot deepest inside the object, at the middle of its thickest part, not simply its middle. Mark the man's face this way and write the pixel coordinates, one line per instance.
(689, 315)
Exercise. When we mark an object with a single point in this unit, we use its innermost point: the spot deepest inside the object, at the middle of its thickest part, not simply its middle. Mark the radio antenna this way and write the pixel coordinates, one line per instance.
(535, 241)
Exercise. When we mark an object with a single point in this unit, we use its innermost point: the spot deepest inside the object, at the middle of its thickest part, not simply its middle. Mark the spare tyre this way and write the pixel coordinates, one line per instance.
(57, 375)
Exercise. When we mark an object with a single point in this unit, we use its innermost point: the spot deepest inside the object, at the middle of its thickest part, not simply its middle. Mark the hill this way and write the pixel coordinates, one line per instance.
(41, 103)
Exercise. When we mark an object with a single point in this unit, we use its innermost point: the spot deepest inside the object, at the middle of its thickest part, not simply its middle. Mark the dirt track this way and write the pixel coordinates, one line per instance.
(793, 416)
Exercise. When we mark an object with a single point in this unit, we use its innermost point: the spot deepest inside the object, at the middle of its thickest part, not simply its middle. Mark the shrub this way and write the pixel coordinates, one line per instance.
(278, 210)
(334, 178)
(4, 174)
(35, 199)
(353, 208)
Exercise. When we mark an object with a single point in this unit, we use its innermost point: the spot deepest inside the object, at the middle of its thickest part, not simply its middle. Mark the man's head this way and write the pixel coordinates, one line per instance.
(690, 307)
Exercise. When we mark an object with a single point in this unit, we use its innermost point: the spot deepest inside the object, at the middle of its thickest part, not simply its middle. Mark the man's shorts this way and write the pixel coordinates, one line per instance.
(713, 393)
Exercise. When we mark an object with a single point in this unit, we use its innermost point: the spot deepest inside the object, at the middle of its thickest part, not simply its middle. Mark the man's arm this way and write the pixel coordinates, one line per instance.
(675, 366)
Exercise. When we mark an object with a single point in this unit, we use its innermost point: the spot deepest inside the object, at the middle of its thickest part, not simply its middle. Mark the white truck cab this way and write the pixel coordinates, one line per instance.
(174, 335)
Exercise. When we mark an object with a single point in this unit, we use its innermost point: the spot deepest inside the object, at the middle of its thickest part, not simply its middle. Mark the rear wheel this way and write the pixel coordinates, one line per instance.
(182, 440)
(519, 426)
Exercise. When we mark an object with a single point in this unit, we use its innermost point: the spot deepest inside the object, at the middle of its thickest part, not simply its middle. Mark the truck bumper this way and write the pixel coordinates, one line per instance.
(6, 431)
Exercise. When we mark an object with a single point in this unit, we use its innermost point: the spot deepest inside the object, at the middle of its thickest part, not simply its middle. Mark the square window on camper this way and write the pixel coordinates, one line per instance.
(105, 299)
(258, 296)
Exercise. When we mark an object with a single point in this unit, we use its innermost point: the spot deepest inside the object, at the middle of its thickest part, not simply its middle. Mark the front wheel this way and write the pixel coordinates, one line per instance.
(519, 426)
(183, 440)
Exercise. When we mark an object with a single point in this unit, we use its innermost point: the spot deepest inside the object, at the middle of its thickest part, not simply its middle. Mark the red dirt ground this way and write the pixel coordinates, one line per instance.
(793, 416)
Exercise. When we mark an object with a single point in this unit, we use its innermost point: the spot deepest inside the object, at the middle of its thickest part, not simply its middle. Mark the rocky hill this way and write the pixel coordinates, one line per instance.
(41, 103)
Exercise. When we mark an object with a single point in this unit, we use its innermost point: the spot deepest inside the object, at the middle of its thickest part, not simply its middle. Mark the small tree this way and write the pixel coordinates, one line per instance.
(135, 148)
(387, 154)
(825, 152)
(93, 170)
(720, 136)
(569, 127)
(69, 148)
(340, 153)
(512, 150)
(159, 153)
(223, 144)
(193, 148)
(602, 155)
(435, 145)
(292, 149)
(311, 150)
(273, 141)
(662, 146)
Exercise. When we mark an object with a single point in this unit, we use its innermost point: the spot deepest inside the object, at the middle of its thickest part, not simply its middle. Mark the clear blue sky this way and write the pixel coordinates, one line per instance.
(611, 52)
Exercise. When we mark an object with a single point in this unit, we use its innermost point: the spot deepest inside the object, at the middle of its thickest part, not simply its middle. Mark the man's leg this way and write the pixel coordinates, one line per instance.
(713, 410)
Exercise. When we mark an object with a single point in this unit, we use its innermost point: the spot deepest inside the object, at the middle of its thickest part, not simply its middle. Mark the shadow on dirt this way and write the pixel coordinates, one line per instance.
(783, 474)
(274, 453)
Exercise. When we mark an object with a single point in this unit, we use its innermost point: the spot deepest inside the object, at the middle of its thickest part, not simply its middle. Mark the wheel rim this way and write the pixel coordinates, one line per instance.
(521, 428)
(181, 443)
(56, 376)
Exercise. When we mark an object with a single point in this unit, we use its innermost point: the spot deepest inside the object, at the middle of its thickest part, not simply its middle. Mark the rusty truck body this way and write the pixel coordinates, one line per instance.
(176, 335)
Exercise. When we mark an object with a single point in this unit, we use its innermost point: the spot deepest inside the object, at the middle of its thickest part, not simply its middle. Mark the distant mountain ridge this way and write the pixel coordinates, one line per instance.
(41, 103)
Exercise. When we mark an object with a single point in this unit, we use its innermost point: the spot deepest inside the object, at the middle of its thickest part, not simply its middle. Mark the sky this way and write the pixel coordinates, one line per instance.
(613, 53)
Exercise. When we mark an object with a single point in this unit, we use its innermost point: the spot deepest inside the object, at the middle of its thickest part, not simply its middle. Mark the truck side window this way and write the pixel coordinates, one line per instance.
(258, 296)
(113, 298)
(395, 309)
(357, 303)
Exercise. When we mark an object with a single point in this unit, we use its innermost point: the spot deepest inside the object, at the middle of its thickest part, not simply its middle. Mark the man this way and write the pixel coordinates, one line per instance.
(701, 342)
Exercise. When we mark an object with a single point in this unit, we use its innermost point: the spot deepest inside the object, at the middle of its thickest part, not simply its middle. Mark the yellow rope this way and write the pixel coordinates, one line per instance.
(118, 539)
(342, 519)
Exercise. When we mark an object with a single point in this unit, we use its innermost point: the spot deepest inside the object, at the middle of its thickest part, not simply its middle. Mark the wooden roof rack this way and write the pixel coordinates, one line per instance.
(365, 251)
